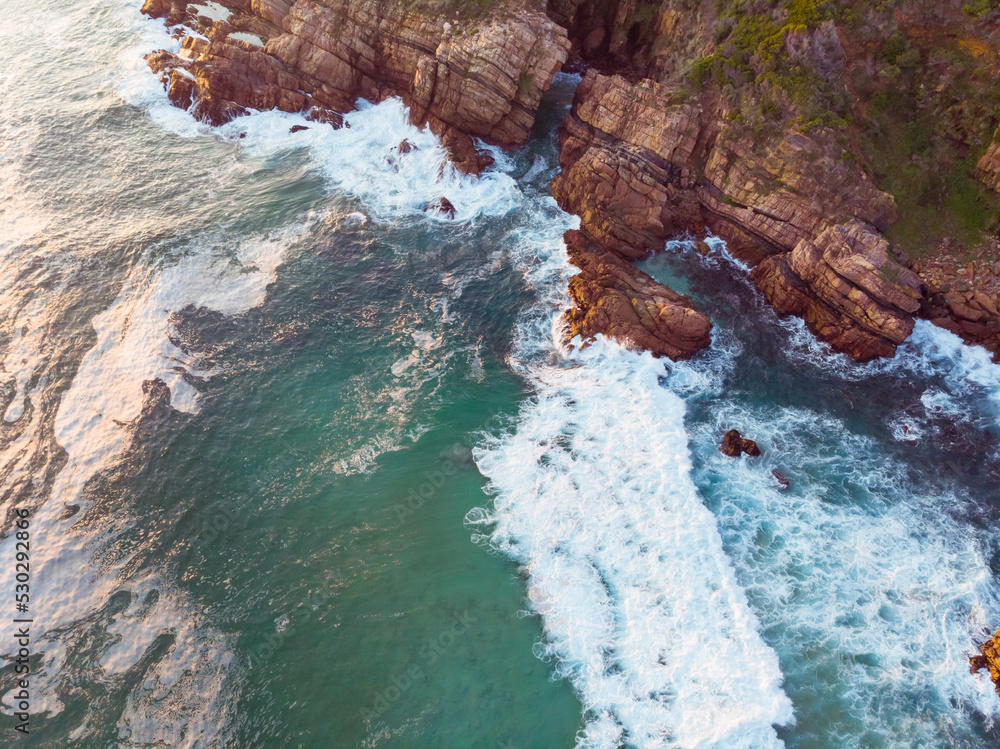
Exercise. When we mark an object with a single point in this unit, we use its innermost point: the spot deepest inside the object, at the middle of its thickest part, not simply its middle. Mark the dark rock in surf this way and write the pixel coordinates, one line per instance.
(734, 445)
(782, 480)
(298, 128)
(485, 160)
(406, 147)
(442, 207)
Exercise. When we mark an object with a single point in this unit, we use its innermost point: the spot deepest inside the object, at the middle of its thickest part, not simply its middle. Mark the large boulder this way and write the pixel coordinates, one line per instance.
(615, 298)
(735, 444)
(848, 288)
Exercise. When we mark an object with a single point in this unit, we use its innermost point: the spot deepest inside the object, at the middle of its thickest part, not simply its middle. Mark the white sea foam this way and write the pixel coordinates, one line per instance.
(134, 344)
(593, 496)
(362, 159)
(641, 609)
(870, 585)
(248, 38)
(966, 369)
(211, 10)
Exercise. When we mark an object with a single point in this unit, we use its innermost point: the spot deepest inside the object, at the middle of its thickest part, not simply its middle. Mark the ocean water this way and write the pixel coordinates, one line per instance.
(313, 467)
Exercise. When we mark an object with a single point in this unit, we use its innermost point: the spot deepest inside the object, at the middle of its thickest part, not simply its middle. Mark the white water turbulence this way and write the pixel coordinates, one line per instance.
(593, 497)
(877, 581)
(362, 159)
(184, 702)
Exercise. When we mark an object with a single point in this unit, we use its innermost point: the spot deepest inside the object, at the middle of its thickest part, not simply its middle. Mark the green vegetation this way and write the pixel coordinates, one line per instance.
(915, 109)
(980, 7)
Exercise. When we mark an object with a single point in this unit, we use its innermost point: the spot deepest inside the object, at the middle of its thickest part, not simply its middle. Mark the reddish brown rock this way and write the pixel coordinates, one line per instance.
(481, 78)
(642, 162)
(988, 168)
(735, 444)
(846, 287)
(614, 298)
(626, 155)
(632, 156)
(442, 207)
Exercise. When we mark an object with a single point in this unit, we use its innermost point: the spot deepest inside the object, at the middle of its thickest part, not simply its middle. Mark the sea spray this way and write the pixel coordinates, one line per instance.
(642, 612)
(592, 495)
(865, 560)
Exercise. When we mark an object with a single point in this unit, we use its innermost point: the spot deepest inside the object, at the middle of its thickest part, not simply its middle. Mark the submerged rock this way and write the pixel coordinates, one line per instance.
(989, 659)
(734, 445)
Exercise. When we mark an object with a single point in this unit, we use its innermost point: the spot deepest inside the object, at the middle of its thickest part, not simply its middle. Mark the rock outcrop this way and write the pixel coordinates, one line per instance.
(848, 289)
(481, 77)
(735, 444)
(615, 298)
(769, 124)
(988, 167)
(642, 162)
(989, 659)
(627, 156)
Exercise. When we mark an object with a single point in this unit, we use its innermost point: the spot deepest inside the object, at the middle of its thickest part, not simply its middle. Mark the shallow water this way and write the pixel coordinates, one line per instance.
(384, 504)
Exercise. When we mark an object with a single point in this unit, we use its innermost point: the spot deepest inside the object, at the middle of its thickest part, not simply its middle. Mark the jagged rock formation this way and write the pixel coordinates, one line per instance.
(989, 659)
(615, 298)
(726, 117)
(847, 288)
(988, 166)
(735, 444)
(771, 124)
(642, 162)
(481, 79)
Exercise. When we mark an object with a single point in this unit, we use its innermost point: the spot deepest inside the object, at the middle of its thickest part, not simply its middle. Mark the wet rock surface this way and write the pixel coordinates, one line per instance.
(849, 290)
(735, 444)
(476, 78)
(641, 163)
(442, 207)
(614, 298)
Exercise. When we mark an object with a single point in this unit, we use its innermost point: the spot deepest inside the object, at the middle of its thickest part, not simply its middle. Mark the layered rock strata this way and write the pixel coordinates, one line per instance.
(988, 167)
(846, 287)
(465, 79)
(642, 162)
(615, 298)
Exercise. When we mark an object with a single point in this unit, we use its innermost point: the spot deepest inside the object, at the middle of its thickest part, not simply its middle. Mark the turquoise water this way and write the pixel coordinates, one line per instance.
(378, 502)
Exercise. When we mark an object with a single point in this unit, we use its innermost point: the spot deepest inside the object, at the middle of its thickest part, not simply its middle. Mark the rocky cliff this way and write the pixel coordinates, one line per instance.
(480, 76)
(641, 162)
(846, 151)
(769, 125)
